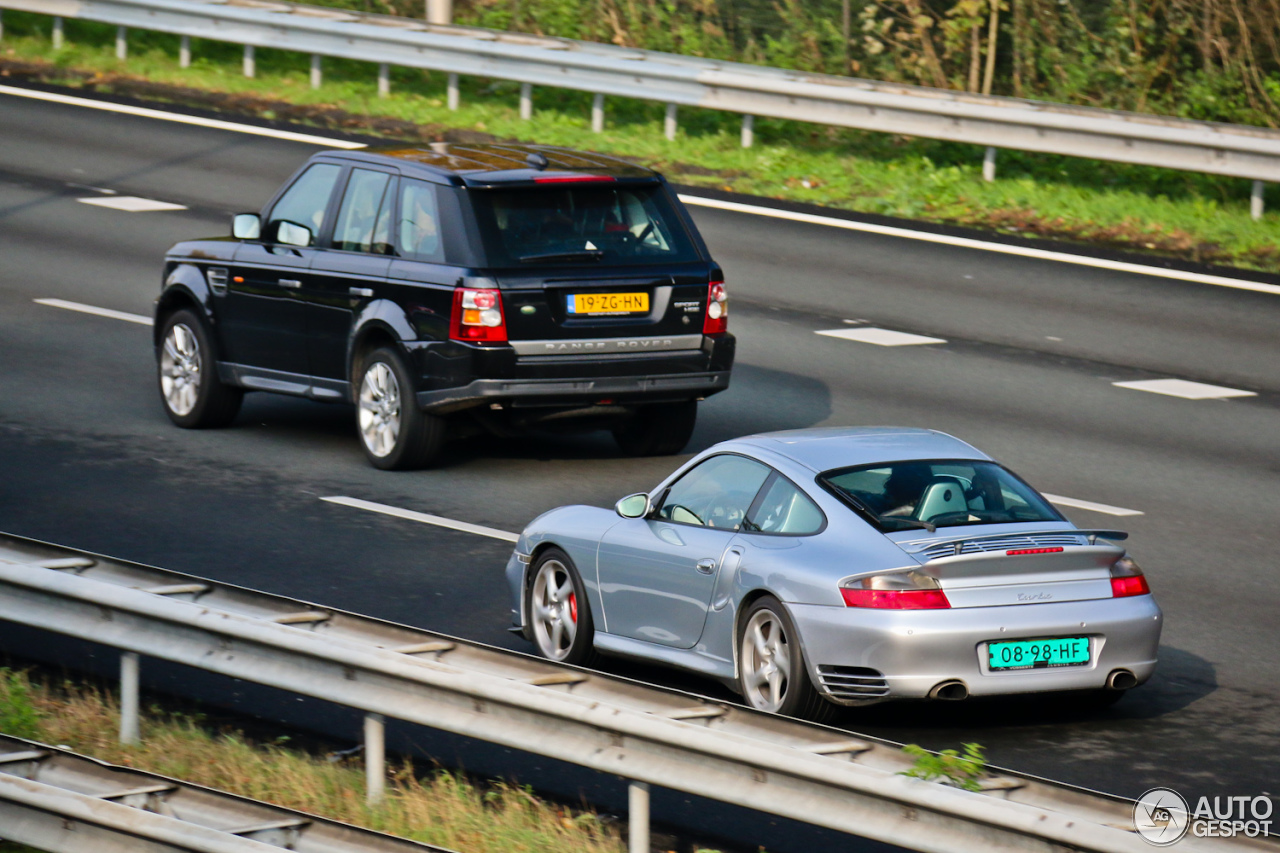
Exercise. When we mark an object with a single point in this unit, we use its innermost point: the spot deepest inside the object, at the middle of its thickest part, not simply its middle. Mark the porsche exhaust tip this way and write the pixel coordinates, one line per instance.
(949, 691)
(1120, 679)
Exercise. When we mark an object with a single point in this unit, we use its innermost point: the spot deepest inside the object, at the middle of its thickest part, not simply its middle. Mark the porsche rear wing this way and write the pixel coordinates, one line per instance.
(1032, 552)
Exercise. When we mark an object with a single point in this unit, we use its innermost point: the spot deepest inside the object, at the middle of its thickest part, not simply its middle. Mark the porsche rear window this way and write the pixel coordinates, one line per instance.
(939, 493)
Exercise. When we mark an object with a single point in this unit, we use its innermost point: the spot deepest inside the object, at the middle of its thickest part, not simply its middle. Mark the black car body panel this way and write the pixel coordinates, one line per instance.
(296, 319)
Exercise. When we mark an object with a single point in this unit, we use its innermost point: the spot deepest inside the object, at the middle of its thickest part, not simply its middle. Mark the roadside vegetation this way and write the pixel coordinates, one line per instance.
(1185, 215)
(442, 808)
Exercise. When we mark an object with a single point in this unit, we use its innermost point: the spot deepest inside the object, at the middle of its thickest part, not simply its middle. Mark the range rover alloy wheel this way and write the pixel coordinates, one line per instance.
(771, 671)
(193, 396)
(558, 610)
(395, 434)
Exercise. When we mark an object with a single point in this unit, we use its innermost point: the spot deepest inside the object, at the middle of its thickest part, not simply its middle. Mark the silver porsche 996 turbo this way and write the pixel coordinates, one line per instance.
(822, 567)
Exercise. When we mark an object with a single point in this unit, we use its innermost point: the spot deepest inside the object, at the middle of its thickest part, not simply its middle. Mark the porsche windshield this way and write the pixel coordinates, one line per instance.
(589, 224)
(937, 493)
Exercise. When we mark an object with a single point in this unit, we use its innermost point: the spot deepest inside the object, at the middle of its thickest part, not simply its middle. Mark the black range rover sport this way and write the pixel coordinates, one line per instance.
(454, 288)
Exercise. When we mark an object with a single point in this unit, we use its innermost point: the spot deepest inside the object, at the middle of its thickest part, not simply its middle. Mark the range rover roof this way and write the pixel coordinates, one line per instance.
(491, 163)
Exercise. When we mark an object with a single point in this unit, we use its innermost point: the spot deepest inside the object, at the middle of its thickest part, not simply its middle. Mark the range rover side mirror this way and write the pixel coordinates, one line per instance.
(634, 506)
(246, 226)
(293, 234)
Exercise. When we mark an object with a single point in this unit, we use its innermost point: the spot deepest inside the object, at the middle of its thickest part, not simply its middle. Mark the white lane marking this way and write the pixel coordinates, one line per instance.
(180, 119)
(1091, 506)
(880, 337)
(132, 203)
(986, 246)
(1184, 389)
(99, 312)
(439, 521)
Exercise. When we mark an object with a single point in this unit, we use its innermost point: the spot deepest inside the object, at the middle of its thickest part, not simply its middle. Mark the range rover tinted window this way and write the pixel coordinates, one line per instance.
(583, 224)
(365, 215)
(419, 236)
(306, 201)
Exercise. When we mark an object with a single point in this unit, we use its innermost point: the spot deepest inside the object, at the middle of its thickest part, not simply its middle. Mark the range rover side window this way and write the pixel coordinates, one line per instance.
(717, 493)
(364, 215)
(418, 236)
(305, 202)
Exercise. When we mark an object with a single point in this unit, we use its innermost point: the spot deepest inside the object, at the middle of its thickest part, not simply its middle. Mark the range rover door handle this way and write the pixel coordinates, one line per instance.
(360, 291)
(707, 566)
(291, 283)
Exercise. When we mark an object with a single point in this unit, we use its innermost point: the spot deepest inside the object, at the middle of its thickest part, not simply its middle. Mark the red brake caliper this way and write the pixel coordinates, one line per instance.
(573, 607)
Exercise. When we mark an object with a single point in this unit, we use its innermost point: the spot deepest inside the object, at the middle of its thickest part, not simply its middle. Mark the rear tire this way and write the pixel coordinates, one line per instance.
(559, 612)
(187, 370)
(771, 671)
(396, 435)
(660, 429)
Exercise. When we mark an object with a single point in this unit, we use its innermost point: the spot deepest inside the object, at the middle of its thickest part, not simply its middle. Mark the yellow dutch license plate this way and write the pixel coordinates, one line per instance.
(608, 303)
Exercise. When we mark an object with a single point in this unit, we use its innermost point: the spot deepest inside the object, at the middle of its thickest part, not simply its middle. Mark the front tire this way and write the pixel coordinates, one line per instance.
(559, 613)
(396, 435)
(659, 429)
(187, 370)
(771, 671)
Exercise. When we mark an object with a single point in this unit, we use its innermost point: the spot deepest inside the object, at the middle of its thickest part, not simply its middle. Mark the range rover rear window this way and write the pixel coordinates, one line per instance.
(587, 225)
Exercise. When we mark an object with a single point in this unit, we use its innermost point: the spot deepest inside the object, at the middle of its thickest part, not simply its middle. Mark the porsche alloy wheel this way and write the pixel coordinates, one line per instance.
(558, 610)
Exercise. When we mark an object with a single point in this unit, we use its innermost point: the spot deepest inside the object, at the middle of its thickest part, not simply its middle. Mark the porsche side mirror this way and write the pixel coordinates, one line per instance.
(246, 226)
(634, 506)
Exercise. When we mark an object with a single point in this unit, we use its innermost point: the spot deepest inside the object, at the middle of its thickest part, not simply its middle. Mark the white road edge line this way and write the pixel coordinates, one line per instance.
(410, 515)
(178, 117)
(96, 311)
(1091, 506)
(984, 245)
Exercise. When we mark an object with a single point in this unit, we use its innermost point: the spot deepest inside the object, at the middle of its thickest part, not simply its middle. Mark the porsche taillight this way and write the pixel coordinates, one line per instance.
(1127, 579)
(477, 316)
(896, 591)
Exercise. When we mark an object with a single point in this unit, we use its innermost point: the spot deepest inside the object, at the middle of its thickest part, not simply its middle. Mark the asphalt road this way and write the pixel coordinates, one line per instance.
(88, 459)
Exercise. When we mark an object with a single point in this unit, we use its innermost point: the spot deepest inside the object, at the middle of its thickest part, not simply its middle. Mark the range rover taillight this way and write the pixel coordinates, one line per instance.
(717, 318)
(896, 591)
(477, 316)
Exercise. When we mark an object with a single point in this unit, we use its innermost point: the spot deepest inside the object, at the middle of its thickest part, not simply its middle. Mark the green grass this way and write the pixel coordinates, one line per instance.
(1187, 215)
(441, 808)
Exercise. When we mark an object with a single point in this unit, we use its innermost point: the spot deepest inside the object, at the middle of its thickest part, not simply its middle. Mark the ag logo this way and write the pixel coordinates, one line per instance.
(1161, 816)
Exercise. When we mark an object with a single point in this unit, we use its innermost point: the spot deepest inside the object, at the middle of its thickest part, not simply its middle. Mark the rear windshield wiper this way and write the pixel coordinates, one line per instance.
(582, 255)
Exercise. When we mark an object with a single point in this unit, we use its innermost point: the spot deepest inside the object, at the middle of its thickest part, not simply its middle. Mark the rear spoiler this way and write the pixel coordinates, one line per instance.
(915, 546)
(1023, 561)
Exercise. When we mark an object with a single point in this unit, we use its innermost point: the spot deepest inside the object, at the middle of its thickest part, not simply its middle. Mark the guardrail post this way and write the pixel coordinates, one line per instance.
(375, 757)
(1, 23)
(452, 90)
(250, 64)
(184, 52)
(597, 113)
(440, 12)
(122, 43)
(129, 697)
(1256, 200)
(526, 101)
(57, 34)
(384, 80)
(989, 165)
(638, 818)
(317, 76)
(669, 124)
(748, 131)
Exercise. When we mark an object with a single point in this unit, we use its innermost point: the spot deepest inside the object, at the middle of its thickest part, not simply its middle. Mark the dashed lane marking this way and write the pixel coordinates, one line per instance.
(161, 115)
(425, 518)
(96, 311)
(1185, 389)
(1106, 509)
(880, 337)
(984, 245)
(131, 203)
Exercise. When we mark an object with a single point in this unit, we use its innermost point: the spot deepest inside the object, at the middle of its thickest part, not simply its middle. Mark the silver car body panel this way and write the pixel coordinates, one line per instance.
(650, 601)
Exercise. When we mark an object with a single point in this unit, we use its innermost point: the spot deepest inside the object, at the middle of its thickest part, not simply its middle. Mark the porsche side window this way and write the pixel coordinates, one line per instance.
(717, 493)
(785, 509)
(305, 202)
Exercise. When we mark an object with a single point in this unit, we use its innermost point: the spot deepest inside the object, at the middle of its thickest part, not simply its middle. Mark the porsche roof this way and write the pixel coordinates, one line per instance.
(824, 448)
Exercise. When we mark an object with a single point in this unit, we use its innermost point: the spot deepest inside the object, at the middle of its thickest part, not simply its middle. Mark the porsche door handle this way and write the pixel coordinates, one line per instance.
(706, 566)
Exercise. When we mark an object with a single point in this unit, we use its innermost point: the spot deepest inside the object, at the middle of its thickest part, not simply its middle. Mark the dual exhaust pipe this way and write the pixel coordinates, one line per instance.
(955, 690)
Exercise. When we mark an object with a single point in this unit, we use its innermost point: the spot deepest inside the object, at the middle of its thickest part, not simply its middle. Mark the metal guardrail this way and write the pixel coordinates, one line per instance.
(60, 802)
(651, 735)
(997, 122)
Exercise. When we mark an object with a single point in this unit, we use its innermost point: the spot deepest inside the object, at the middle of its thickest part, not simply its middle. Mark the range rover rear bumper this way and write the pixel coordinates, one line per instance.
(584, 391)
